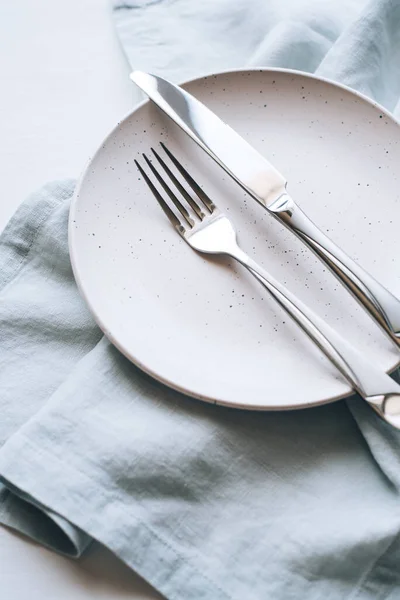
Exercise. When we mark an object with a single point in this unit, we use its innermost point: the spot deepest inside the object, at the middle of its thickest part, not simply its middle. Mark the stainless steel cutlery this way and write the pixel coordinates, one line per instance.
(266, 185)
(206, 229)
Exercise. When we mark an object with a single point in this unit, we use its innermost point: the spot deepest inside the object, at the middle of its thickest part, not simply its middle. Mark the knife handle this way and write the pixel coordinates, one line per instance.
(376, 387)
(381, 304)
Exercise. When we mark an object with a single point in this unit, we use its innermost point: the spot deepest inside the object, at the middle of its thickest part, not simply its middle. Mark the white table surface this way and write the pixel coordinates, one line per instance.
(64, 84)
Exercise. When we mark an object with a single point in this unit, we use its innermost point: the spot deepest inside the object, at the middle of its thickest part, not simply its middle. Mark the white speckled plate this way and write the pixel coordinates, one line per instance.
(202, 325)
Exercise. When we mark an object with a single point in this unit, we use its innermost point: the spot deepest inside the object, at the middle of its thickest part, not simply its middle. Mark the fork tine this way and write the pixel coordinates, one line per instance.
(195, 186)
(185, 214)
(180, 187)
(170, 214)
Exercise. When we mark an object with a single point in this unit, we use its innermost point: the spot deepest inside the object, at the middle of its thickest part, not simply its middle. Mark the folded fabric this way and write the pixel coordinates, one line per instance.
(352, 41)
(202, 501)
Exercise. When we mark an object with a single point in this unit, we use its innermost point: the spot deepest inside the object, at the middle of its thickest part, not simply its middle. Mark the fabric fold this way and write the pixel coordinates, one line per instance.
(202, 501)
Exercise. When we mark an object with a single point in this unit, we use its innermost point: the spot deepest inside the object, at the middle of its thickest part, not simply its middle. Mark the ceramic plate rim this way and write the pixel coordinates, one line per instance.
(74, 253)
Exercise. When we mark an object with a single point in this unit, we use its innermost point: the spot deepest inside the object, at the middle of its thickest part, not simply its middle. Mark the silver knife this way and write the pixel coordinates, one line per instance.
(268, 186)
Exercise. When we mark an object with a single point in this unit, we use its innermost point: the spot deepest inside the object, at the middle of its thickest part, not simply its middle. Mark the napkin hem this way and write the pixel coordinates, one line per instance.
(20, 512)
(129, 536)
(146, 552)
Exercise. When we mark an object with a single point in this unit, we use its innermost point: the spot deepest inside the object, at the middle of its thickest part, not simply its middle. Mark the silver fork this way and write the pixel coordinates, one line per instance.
(208, 230)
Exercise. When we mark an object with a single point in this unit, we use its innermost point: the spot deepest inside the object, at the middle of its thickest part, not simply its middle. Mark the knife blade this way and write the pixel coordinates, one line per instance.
(236, 156)
(267, 185)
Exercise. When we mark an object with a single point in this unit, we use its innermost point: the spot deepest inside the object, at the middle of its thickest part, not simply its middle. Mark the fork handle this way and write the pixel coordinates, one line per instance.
(374, 385)
(381, 304)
